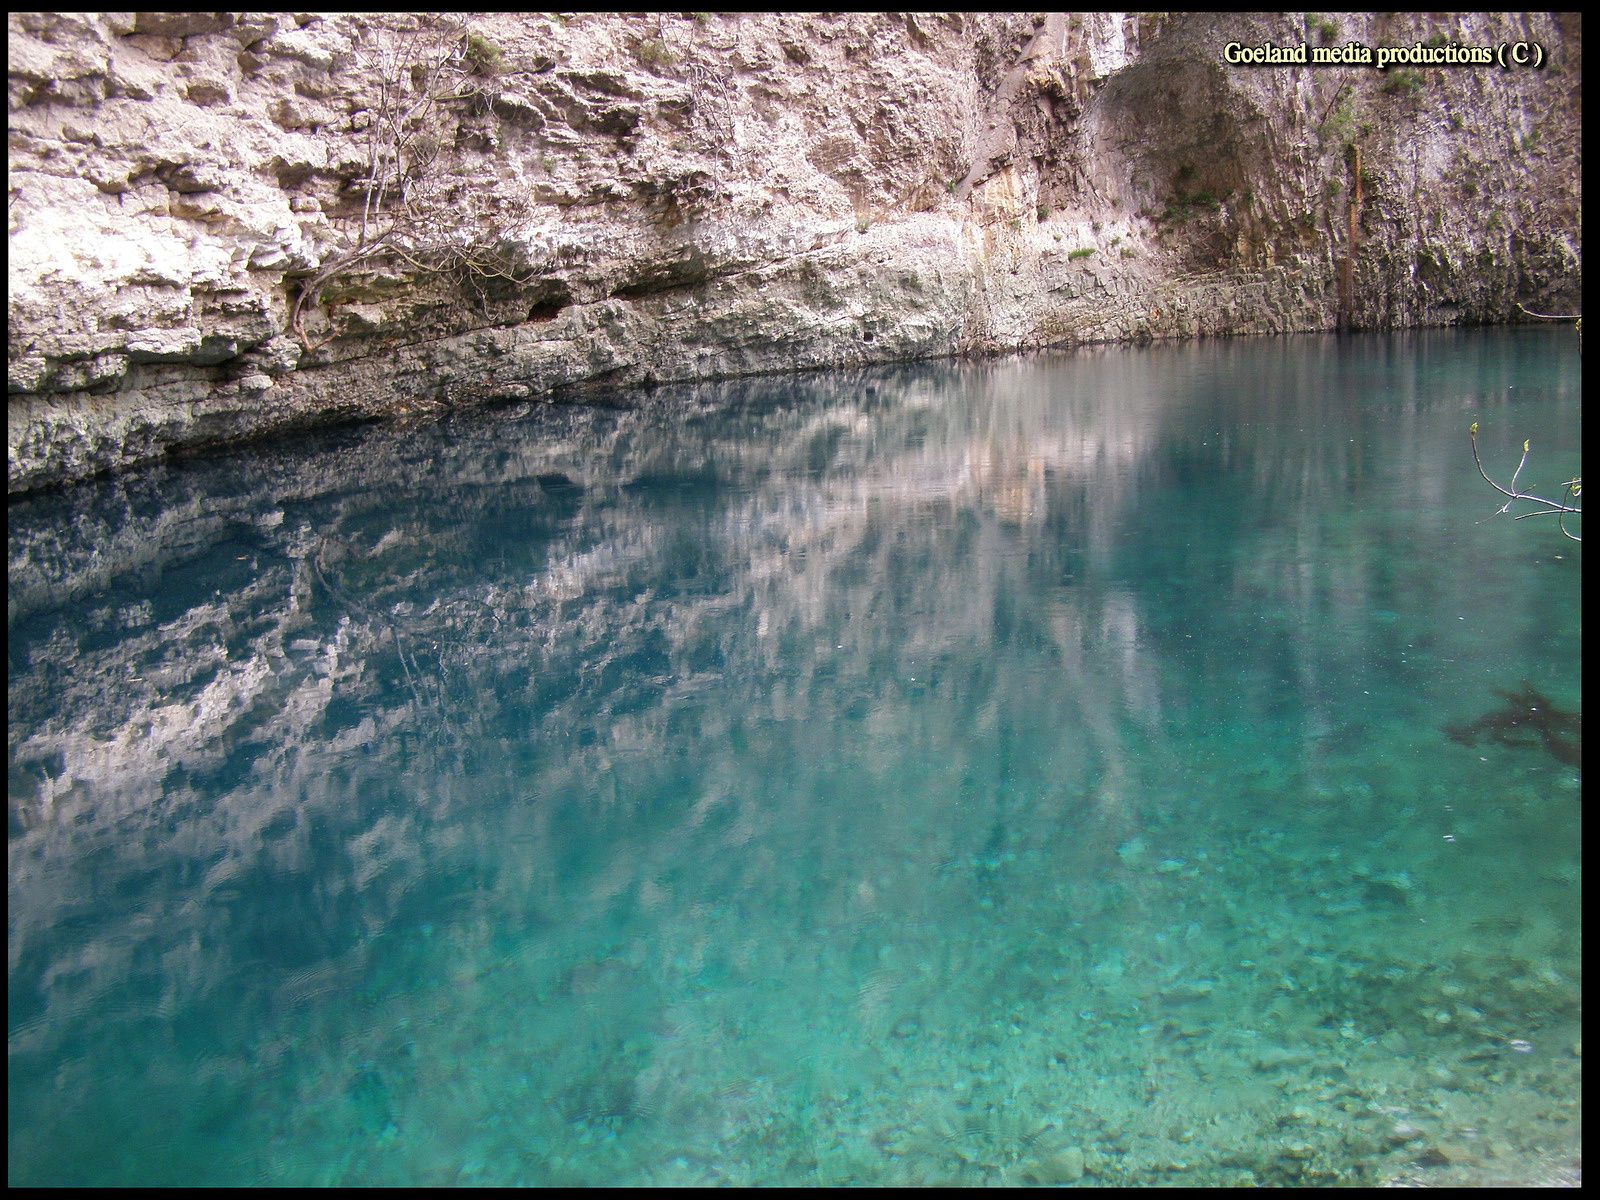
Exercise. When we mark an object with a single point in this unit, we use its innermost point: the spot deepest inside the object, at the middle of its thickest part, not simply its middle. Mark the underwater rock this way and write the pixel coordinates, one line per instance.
(1064, 1166)
(1277, 1058)
(601, 975)
(1404, 1132)
(1445, 1154)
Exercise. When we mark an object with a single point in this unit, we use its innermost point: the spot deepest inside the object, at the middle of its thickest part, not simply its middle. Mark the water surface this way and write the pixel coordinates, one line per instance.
(1035, 771)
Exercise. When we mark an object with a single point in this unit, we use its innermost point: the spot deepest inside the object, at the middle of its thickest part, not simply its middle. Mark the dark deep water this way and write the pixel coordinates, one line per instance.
(998, 773)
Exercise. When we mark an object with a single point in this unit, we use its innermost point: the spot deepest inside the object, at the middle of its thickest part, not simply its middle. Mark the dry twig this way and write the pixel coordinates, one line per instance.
(1559, 509)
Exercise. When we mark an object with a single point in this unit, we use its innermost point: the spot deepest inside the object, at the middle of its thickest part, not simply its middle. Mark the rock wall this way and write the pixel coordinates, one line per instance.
(592, 201)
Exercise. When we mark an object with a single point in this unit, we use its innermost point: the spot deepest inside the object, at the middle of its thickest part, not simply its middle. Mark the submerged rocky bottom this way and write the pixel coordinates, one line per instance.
(1333, 977)
(1229, 999)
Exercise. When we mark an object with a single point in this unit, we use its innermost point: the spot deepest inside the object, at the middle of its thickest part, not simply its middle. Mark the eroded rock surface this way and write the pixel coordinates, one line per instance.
(687, 196)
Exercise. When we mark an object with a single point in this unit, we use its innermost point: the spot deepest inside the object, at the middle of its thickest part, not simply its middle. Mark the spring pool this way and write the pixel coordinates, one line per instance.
(1131, 766)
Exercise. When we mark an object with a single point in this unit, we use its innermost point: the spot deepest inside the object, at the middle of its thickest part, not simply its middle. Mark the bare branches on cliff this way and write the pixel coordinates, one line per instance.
(413, 207)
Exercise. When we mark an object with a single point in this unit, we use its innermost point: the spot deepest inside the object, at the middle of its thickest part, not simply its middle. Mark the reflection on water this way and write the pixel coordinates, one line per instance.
(1022, 772)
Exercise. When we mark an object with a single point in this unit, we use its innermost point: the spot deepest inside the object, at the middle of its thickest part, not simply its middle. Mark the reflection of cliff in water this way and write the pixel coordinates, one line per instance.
(459, 537)
(533, 615)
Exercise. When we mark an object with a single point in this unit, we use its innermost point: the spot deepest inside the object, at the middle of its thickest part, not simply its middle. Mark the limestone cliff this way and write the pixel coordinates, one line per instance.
(598, 200)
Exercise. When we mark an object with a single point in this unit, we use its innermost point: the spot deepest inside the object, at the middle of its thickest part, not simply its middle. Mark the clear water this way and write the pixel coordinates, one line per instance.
(1035, 771)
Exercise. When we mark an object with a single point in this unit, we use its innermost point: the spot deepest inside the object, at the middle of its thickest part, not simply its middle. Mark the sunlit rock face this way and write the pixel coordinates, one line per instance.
(686, 196)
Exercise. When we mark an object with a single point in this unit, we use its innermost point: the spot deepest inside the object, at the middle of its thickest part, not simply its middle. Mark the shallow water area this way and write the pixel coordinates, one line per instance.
(1036, 771)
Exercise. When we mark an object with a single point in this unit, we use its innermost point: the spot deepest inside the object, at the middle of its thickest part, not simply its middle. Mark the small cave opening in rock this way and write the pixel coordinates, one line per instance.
(546, 310)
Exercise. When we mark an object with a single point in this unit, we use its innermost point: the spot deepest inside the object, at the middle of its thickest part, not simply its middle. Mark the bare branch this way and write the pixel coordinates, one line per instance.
(1572, 487)
(410, 209)
(1528, 312)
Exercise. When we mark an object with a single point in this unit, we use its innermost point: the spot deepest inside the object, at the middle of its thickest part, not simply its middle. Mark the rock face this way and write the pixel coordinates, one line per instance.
(559, 204)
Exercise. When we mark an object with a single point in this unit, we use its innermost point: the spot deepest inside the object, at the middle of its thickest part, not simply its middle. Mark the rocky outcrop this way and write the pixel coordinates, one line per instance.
(596, 200)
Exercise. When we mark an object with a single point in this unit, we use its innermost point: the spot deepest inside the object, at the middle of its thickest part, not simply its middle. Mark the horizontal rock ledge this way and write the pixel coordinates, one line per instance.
(223, 228)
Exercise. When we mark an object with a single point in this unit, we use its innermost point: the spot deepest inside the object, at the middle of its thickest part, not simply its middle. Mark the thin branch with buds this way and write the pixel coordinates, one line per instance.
(1559, 509)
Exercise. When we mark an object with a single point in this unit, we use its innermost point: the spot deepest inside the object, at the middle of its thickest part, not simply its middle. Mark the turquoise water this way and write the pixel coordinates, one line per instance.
(1032, 771)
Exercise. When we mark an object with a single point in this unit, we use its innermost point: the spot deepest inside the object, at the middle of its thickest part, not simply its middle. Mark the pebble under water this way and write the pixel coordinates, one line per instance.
(1130, 766)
